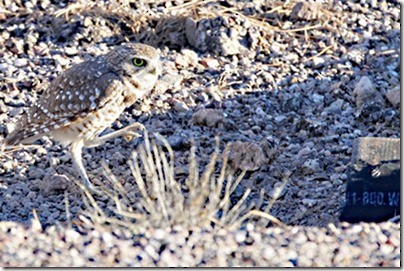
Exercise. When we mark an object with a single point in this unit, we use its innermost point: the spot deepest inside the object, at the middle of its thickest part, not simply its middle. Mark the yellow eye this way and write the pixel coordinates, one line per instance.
(138, 62)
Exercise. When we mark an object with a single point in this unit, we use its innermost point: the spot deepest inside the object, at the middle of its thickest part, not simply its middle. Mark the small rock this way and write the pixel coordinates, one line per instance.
(213, 34)
(87, 21)
(21, 62)
(8, 165)
(3, 67)
(210, 63)
(240, 237)
(208, 117)
(317, 98)
(161, 87)
(228, 45)
(311, 166)
(259, 111)
(335, 107)
(357, 54)
(203, 97)
(276, 48)
(306, 11)
(393, 96)
(9, 127)
(309, 202)
(280, 119)
(187, 58)
(54, 184)
(64, 158)
(159, 234)
(180, 106)
(173, 80)
(15, 112)
(336, 179)
(54, 161)
(345, 79)
(60, 60)
(191, 32)
(36, 173)
(71, 51)
(246, 156)
(16, 46)
(318, 62)
(365, 92)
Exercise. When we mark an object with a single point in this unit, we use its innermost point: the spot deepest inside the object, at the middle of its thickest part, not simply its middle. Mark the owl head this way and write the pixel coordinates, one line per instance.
(139, 63)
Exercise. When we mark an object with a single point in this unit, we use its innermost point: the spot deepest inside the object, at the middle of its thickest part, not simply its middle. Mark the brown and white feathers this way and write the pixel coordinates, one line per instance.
(88, 97)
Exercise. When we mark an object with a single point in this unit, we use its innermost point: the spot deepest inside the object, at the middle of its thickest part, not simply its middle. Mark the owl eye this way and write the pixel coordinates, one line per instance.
(138, 62)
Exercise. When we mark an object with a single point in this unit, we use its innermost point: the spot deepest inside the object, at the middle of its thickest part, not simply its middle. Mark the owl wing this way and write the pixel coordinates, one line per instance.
(74, 94)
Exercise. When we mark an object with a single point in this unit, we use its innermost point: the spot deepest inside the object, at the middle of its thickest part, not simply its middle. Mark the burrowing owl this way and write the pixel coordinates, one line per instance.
(85, 99)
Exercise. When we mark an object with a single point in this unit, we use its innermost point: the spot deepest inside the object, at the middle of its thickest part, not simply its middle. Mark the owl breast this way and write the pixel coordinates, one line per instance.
(90, 126)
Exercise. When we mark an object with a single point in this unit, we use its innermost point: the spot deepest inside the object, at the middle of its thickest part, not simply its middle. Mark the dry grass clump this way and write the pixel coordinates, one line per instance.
(201, 201)
(136, 20)
(163, 22)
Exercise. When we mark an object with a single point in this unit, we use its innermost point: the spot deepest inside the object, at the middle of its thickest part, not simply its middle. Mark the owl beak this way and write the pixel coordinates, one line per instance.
(154, 71)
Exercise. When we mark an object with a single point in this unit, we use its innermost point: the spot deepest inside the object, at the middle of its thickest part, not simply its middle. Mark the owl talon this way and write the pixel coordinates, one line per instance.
(129, 136)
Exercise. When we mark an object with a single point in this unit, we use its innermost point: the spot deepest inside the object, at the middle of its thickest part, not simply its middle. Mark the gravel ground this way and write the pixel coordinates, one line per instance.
(277, 247)
(291, 85)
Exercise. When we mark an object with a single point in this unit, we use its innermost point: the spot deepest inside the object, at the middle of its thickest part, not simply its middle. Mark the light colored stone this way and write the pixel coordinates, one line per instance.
(393, 96)
(210, 63)
(246, 156)
(365, 92)
(21, 62)
(208, 117)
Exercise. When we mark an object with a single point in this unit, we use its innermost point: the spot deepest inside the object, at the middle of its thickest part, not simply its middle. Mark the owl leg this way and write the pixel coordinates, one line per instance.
(76, 151)
(128, 130)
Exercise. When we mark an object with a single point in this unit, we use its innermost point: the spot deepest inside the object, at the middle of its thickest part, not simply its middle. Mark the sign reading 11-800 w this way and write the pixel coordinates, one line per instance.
(372, 194)
(373, 198)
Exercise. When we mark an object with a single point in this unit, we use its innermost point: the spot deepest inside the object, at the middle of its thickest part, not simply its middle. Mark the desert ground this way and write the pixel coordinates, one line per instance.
(248, 141)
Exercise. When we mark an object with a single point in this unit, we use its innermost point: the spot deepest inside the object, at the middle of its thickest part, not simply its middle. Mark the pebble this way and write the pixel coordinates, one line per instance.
(71, 51)
(240, 237)
(180, 106)
(247, 156)
(21, 62)
(306, 11)
(393, 96)
(309, 202)
(187, 58)
(318, 62)
(335, 107)
(210, 63)
(55, 183)
(60, 60)
(8, 166)
(364, 91)
(54, 161)
(208, 117)
(3, 67)
(173, 80)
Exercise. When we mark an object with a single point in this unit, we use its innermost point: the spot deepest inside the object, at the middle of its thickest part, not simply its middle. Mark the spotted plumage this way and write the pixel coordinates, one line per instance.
(84, 100)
